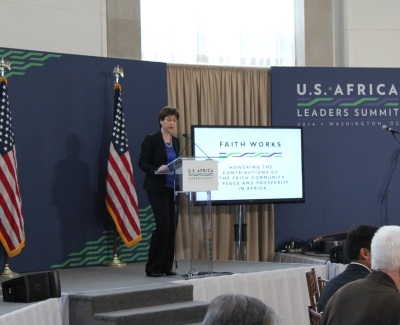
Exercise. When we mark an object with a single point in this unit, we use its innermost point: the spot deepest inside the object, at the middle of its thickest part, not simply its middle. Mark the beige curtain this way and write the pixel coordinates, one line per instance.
(212, 95)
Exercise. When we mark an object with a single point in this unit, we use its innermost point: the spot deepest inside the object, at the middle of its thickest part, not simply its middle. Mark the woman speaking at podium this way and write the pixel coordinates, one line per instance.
(157, 150)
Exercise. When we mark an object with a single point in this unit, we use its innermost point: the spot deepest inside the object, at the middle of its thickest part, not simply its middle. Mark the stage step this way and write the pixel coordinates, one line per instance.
(166, 303)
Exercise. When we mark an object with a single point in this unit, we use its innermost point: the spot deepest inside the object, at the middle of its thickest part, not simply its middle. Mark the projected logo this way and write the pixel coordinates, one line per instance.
(200, 173)
(349, 104)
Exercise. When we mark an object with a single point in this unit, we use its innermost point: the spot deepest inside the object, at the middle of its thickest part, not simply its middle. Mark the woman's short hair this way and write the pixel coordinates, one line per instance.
(168, 111)
(385, 249)
(239, 309)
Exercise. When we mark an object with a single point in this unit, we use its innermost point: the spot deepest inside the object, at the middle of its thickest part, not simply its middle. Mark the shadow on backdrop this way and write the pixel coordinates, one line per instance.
(71, 193)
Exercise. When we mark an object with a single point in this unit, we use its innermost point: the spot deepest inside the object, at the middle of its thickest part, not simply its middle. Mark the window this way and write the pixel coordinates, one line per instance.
(220, 32)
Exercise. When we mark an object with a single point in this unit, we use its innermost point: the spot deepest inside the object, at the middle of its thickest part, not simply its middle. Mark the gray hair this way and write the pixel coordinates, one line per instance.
(238, 309)
(385, 249)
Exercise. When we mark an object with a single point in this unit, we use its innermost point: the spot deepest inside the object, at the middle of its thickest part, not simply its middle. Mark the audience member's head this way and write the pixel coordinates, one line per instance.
(357, 245)
(374, 299)
(237, 309)
(385, 249)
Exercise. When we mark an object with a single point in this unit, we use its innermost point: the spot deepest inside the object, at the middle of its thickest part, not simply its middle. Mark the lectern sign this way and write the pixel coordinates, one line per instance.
(199, 175)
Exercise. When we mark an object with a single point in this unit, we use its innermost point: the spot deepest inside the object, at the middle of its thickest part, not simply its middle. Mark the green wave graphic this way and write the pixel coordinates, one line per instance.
(258, 154)
(14, 73)
(26, 55)
(147, 228)
(148, 208)
(146, 217)
(101, 250)
(137, 247)
(85, 261)
(27, 66)
(47, 56)
(360, 101)
(314, 101)
(22, 60)
(231, 154)
(10, 52)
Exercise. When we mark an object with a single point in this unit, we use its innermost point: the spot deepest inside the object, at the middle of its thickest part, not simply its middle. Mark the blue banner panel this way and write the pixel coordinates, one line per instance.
(62, 110)
(350, 154)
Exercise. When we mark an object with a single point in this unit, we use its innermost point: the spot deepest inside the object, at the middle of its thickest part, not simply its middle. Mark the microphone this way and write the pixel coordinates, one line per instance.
(389, 129)
(187, 137)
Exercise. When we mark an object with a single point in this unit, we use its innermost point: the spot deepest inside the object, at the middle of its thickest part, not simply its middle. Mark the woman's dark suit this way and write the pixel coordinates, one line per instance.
(153, 155)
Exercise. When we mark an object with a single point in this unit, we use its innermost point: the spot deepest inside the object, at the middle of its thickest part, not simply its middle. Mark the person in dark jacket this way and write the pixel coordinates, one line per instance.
(157, 151)
(357, 248)
(375, 299)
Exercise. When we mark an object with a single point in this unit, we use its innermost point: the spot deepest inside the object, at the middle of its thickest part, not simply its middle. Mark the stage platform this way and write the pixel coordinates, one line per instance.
(281, 285)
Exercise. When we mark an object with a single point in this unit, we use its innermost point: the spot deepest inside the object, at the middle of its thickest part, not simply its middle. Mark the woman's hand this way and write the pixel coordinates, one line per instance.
(163, 169)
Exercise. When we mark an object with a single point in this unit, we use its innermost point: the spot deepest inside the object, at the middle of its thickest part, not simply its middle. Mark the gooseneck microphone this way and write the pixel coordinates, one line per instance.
(385, 127)
(187, 137)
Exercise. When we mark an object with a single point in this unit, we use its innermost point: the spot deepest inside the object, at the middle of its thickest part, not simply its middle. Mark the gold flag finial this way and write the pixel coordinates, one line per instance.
(4, 64)
(118, 72)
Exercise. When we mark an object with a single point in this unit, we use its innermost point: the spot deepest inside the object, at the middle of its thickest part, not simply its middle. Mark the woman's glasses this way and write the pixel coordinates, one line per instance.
(170, 120)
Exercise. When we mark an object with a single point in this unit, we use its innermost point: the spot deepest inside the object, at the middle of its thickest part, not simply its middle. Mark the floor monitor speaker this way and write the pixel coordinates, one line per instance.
(32, 287)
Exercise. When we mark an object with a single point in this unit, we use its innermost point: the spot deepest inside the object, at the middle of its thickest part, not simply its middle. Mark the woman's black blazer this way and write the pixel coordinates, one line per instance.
(153, 154)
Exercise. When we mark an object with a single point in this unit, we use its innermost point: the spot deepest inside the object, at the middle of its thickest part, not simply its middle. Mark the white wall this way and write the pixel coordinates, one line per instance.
(371, 33)
(64, 26)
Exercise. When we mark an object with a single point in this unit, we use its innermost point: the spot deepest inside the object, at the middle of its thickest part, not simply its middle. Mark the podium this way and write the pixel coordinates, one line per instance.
(193, 175)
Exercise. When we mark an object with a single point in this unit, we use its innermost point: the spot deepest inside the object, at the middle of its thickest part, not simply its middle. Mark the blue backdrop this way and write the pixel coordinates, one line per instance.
(62, 109)
(350, 162)
(62, 116)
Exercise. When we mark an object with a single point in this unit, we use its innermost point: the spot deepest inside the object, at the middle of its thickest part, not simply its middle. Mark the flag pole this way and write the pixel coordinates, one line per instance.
(7, 271)
(118, 72)
(5, 64)
(116, 261)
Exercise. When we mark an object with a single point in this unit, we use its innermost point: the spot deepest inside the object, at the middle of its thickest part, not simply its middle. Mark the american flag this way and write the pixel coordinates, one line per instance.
(121, 200)
(12, 233)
